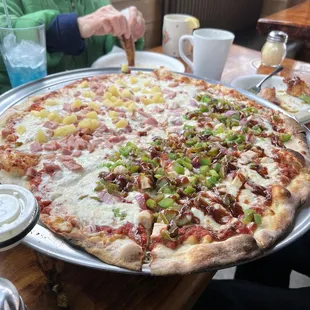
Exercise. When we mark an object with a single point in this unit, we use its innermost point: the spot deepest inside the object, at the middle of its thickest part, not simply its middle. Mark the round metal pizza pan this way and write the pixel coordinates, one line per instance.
(43, 240)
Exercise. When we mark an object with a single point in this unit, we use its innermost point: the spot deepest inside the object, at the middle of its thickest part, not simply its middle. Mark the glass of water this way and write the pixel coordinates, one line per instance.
(23, 50)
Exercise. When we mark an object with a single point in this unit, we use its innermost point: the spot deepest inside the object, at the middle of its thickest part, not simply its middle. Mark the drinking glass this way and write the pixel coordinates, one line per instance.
(23, 50)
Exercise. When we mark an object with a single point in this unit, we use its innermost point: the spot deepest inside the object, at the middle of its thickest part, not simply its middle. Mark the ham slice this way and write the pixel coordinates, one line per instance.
(51, 146)
(36, 147)
(117, 139)
(50, 167)
(66, 151)
(170, 93)
(151, 121)
(72, 165)
(50, 125)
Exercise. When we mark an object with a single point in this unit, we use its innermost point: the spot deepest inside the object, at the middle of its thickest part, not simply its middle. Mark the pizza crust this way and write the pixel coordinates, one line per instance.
(120, 251)
(190, 258)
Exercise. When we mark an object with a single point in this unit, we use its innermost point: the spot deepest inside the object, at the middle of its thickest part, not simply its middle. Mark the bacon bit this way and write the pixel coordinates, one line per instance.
(36, 147)
(117, 139)
(5, 132)
(66, 151)
(87, 137)
(51, 146)
(50, 167)
(151, 121)
(76, 153)
(36, 106)
(31, 172)
(72, 165)
(50, 125)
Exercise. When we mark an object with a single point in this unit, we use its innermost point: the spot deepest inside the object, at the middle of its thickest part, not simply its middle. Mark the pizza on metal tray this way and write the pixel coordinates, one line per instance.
(158, 168)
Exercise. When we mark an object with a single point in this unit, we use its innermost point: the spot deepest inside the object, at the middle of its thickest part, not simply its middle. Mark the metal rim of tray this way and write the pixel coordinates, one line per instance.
(44, 241)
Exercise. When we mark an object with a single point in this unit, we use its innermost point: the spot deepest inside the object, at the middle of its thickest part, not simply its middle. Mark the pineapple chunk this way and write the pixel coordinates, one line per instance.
(108, 103)
(41, 114)
(133, 80)
(70, 119)
(136, 89)
(113, 114)
(127, 94)
(76, 104)
(107, 95)
(161, 100)
(119, 103)
(89, 123)
(40, 137)
(122, 123)
(146, 101)
(21, 129)
(131, 106)
(113, 99)
(145, 91)
(84, 84)
(155, 89)
(114, 91)
(147, 83)
(89, 94)
(121, 82)
(53, 116)
(50, 102)
(94, 105)
(92, 115)
(125, 69)
(64, 130)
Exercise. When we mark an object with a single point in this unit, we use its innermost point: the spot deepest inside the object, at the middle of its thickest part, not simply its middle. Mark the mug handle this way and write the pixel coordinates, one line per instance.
(183, 56)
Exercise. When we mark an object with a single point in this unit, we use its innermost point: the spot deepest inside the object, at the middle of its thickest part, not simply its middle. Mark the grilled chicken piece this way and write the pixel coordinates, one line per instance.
(270, 95)
(297, 87)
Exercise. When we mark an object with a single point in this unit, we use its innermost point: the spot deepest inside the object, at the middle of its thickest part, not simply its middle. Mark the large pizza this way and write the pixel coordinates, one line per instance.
(158, 168)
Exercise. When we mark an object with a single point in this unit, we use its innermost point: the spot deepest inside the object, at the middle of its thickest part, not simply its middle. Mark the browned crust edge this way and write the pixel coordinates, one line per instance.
(191, 258)
(121, 252)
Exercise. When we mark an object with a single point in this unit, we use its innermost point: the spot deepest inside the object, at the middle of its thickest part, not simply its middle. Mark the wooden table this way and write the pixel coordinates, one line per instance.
(43, 282)
(295, 21)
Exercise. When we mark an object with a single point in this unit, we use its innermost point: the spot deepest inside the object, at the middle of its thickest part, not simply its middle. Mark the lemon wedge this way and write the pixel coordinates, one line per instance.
(193, 22)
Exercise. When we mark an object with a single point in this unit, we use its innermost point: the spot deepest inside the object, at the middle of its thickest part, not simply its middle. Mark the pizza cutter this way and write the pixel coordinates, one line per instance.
(19, 212)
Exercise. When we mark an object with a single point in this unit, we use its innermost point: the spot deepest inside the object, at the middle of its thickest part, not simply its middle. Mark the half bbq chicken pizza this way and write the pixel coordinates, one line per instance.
(158, 168)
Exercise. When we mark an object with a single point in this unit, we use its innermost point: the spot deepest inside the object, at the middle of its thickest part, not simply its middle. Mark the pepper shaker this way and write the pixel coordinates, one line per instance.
(9, 297)
(274, 50)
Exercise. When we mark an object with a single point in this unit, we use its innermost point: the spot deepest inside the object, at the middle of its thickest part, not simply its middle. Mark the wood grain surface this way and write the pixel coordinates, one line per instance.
(295, 21)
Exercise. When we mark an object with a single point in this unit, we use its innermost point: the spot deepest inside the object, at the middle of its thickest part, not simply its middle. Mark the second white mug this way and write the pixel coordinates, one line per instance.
(211, 48)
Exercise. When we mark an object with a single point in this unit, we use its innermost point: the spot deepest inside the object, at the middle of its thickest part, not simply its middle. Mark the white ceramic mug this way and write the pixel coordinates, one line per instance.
(176, 25)
(211, 47)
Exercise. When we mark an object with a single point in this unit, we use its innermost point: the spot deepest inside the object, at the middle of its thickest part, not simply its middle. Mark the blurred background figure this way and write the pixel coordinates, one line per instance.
(77, 32)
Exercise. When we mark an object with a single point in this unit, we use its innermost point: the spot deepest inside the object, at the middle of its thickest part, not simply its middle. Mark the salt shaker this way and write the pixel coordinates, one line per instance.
(274, 50)
(19, 212)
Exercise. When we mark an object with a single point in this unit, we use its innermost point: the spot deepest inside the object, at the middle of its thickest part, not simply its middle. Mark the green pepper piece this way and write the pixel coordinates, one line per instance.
(134, 169)
(240, 139)
(178, 168)
(99, 187)
(205, 161)
(166, 236)
(213, 173)
(204, 170)
(203, 108)
(305, 98)
(213, 152)
(166, 203)
(83, 197)
(95, 198)
(151, 204)
(206, 99)
(172, 156)
(222, 172)
(217, 167)
(166, 190)
(257, 219)
(208, 183)
(248, 216)
(284, 137)
(189, 190)
(191, 142)
(125, 151)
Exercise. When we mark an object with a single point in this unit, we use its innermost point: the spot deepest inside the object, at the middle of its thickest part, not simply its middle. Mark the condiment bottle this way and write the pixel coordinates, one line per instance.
(274, 50)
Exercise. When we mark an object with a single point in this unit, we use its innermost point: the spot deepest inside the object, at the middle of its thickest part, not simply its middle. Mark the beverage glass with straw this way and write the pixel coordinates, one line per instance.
(23, 49)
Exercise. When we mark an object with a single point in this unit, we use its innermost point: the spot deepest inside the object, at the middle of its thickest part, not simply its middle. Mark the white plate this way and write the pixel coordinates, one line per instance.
(248, 81)
(147, 60)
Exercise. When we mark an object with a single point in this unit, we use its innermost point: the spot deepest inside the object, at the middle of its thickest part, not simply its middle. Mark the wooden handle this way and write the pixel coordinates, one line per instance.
(129, 47)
